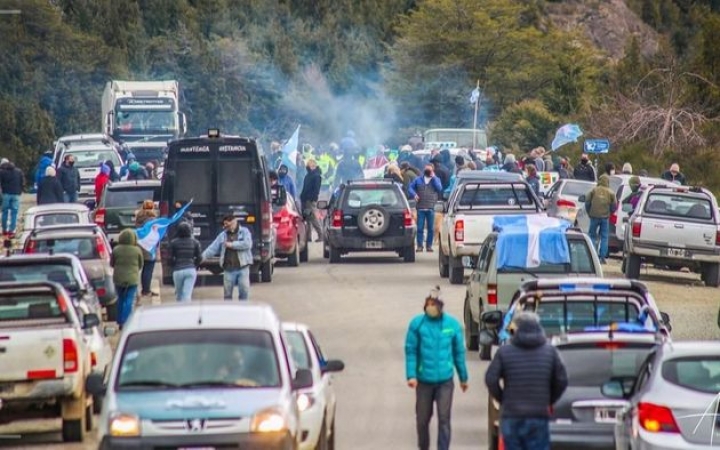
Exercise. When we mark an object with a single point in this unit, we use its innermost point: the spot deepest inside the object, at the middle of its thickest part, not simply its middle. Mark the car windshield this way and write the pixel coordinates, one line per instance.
(698, 373)
(199, 358)
(575, 189)
(495, 196)
(594, 365)
(361, 197)
(48, 220)
(298, 349)
(127, 198)
(93, 158)
(686, 206)
(82, 247)
(582, 314)
(60, 273)
(29, 306)
(581, 261)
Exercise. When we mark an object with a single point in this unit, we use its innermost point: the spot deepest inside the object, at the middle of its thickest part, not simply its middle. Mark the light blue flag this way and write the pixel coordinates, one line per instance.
(526, 241)
(290, 152)
(151, 233)
(566, 134)
(474, 96)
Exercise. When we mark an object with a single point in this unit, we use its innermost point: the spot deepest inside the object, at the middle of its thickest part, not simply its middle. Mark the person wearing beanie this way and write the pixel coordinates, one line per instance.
(434, 351)
(635, 193)
(627, 169)
(46, 160)
(510, 164)
(101, 180)
(145, 214)
(533, 378)
(49, 189)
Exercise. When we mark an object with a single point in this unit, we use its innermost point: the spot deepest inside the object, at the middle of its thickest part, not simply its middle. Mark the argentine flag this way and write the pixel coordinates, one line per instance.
(527, 241)
(150, 234)
(290, 152)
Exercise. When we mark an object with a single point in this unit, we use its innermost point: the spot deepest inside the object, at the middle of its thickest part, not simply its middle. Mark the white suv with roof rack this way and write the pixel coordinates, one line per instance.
(675, 226)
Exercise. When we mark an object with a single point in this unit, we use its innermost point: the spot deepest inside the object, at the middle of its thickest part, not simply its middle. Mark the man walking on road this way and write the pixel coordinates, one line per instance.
(426, 190)
(584, 171)
(309, 197)
(600, 202)
(69, 178)
(434, 350)
(234, 246)
(533, 379)
(12, 182)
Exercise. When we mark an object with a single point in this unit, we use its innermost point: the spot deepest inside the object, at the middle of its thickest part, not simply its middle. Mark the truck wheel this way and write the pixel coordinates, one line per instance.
(471, 329)
(409, 254)
(304, 253)
(485, 352)
(334, 255)
(632, 267)
(457, 271)
(73, 430)
(712, 274)
(294, 258)
(443, 264)
(266, 271)
(74, 418)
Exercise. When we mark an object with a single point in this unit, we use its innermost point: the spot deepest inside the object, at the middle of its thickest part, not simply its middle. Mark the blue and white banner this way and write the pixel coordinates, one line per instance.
(474, 96)
(526, 241)
(150, 234)
(290, 152)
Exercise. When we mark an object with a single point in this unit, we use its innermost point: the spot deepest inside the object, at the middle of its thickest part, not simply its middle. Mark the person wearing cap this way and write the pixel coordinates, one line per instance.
(533, 378)
(125, 169)
(46, 160)
(434, 351)
(674, 175)
(627, 169)
(69, 178)
(584, 171)
(49, 190)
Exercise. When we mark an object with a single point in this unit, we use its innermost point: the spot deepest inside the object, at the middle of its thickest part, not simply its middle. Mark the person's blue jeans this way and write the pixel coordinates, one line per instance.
(425, 216)
(239, 278)
(10, 206)
(71, 197)
(184, 281)
(525, 434)
(125, 301)
(426, 396)
(602, 224)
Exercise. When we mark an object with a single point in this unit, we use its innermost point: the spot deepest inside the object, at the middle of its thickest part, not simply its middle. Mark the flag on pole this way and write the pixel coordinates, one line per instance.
(475, 96)
(290, 152)
(566, 134)
(150, 234)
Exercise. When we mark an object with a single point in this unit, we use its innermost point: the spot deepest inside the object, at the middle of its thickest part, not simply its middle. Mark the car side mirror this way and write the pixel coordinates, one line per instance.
(322, 204)
(582, 198)
(333, 365)
(487, 337)
(617, 388)
(468, 262)
(492, 319)
(665, 318)
(95, 384)
(90, 321)
(303, 379)
(90, 204)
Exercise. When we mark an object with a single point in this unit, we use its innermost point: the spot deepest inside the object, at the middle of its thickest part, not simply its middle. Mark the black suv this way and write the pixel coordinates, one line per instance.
(368, 216)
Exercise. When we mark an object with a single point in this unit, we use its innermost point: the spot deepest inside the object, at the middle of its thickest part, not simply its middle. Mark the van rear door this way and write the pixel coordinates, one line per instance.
(191, 177)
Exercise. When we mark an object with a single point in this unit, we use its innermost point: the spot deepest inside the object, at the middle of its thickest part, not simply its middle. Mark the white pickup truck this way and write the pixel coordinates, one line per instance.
(44, 358)
(479, 196)
(675, 226)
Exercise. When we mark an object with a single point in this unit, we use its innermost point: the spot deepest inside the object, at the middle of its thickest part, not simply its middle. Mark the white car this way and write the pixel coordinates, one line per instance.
(316, 404)
(88, 158)
(51, 215)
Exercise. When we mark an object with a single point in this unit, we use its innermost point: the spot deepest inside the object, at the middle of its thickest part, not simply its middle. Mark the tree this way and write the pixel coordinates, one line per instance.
(524, 126)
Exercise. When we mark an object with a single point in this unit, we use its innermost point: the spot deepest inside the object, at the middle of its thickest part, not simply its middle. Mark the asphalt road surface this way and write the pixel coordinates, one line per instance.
(359, 311)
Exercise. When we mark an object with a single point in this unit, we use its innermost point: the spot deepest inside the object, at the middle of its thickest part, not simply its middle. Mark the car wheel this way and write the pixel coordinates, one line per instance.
(373, 220)
(457, 271)
(266, 271)
(326, 252)
(73, 430)
(712, 274)
(89, 411)
(471, 328)
(294, 258)
(334, 255)
(322, 442)
(632, 267)
(304, 253)
(408, 254)
(443, 264)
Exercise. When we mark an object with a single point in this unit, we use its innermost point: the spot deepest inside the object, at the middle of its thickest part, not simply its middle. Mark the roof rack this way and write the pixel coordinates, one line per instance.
(677, 187)
(377, 181)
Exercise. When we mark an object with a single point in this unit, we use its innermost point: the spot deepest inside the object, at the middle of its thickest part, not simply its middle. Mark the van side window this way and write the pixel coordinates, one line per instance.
(480, 266)
(489, 255)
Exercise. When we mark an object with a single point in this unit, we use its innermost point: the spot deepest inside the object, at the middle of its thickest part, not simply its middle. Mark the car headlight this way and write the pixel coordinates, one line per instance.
(305, 402)
(269, 421)
(124, 425)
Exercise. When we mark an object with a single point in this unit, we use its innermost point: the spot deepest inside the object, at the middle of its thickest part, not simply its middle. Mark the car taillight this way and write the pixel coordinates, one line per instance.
(613, 219)
(492, 294)
(70, 356)
(101, 291)
(565, 204)
(636, 228)
(93, 359)
(62, 303)
(460, 230)
(407, 218)
(164, 209)
(717, 237)
(29, 246)
(100, 217)
(266, 220)
(101, 249)
(610, 345)
(656, 418)
(337, 219)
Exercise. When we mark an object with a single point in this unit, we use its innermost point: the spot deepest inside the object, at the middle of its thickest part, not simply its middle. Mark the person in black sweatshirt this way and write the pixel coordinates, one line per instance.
(533, 379)
(185, 257)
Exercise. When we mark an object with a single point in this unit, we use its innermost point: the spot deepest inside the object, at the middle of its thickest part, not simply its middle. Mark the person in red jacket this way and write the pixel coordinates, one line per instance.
(101, 180)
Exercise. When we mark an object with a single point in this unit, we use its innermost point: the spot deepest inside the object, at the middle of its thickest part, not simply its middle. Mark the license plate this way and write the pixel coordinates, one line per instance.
(374, 244)
(605, 415)
(676, 252)
(196, 231)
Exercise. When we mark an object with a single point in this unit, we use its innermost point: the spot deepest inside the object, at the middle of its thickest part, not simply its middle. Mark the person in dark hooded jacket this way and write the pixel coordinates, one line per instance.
(440, 171)
(12, 182)
(114, 176)
(533, 378)
(49, 190)
(309, 197)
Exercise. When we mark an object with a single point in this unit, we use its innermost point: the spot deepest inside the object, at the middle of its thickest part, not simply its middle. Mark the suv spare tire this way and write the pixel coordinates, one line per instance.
(373, 220)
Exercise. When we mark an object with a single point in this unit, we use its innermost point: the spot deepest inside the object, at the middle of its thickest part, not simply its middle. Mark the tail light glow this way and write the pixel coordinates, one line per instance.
(101, 248)
(407, 218)
(460, 230)
(562, 203)
(492, 294)
(656, 419)
(70, 356)
(636, 228)
(100, 217)
(29, 246)
(337, 219)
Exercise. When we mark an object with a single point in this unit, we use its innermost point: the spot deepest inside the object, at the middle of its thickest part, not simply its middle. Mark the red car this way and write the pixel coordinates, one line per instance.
(291, 240)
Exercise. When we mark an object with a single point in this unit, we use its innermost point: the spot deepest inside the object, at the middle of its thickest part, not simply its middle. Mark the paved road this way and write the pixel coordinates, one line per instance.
(359, 311)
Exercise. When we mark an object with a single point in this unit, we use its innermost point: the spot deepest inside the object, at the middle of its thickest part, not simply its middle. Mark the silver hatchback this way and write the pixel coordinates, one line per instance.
(563, 198)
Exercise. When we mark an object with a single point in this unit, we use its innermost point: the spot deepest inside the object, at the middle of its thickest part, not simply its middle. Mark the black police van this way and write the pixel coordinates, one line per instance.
(224, 175)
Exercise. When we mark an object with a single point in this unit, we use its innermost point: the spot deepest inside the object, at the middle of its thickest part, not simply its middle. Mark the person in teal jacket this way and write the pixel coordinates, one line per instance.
(434, 350)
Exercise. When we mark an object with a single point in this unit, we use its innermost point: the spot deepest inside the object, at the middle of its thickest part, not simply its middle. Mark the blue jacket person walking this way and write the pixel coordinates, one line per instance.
(234, 246)
(426, 190)
(434, 350)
